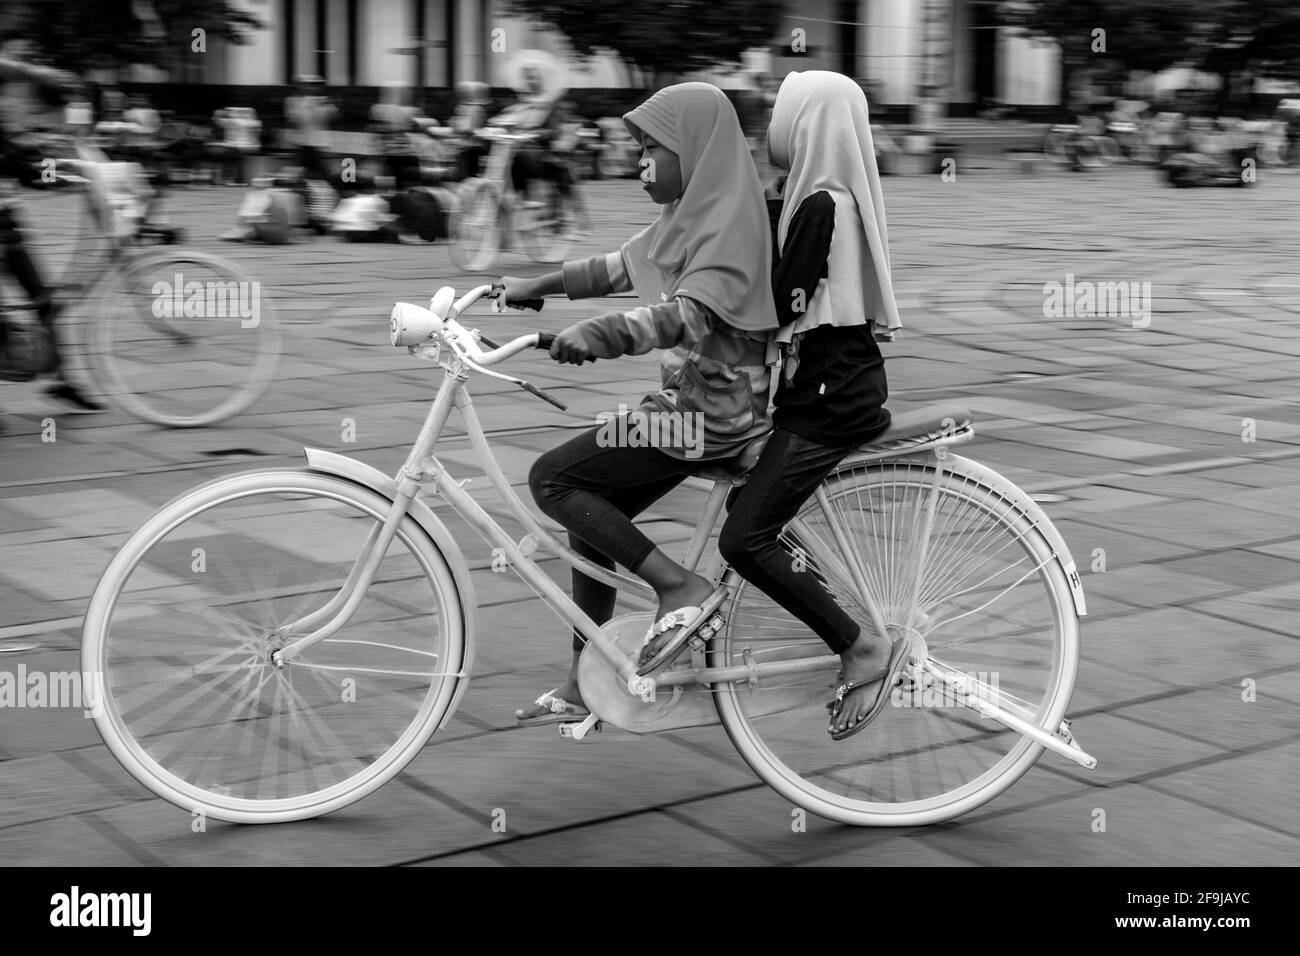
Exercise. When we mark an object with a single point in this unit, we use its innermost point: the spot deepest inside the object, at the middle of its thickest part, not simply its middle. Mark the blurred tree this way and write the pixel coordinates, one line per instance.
(79, 35)
(671, 36)
(1246, 38)
(1227, 37)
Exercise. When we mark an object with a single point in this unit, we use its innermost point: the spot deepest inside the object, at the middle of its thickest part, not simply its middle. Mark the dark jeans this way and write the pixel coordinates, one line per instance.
(23, 268)
(789, 470)
(595, 493)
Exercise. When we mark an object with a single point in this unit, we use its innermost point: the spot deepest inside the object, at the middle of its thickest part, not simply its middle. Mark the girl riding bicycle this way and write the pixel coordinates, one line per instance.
(834, 298)
(703, 267)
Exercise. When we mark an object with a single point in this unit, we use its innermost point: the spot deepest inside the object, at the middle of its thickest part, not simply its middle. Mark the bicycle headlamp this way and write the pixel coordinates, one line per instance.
(412, 325)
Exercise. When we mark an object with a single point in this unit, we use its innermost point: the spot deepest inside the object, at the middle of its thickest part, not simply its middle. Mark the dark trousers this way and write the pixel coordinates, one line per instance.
(23, 268)
(595, 492)
(788, 471)
(530, 164)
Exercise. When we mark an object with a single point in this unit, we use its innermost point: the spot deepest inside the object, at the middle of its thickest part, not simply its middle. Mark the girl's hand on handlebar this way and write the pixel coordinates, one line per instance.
(570, 347)
(517, 290)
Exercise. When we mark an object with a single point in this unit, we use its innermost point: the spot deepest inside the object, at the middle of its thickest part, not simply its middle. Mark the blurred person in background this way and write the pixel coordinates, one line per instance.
(309, 114)
(754, 106)
(79, 114)
(469, 117)
(539, 86)
(392, 122)
(241, 139)
(20, 109)
(143, 124)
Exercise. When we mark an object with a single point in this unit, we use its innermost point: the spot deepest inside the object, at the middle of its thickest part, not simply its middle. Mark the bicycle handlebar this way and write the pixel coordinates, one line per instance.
(416, 327)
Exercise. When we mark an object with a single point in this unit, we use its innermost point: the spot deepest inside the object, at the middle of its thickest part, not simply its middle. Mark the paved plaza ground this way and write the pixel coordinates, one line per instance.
(1167, 452)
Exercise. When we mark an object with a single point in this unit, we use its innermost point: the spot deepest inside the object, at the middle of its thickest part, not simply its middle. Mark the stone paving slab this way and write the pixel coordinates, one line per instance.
(1139, 429)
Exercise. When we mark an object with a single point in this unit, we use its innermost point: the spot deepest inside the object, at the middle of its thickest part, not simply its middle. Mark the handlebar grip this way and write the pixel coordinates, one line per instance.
(544, 340)
(534, 304)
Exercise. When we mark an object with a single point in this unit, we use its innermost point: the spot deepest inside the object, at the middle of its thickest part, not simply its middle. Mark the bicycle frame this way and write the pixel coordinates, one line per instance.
(421, 467)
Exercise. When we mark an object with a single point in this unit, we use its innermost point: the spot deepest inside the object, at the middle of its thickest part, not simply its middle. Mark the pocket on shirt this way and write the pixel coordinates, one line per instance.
(727, 407)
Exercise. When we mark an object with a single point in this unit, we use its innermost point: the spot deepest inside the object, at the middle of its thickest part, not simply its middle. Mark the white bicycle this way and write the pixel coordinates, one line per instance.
(277, 644)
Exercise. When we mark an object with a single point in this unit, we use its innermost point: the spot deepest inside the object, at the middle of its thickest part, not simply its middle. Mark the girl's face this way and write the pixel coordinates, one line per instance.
(661, 172)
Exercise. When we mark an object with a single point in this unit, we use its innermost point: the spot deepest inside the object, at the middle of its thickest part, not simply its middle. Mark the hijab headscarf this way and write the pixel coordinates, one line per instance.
(713, 244)
(821, 133)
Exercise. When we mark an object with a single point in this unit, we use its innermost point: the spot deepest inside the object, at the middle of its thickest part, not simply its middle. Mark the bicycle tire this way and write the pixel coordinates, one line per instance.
(542, 229)
(160, 629)
(878, 777)
(475, 227)
(190, 385)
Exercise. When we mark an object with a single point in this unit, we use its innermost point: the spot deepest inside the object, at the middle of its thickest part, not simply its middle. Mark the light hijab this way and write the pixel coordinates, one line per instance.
(821, 133)
(714, 243)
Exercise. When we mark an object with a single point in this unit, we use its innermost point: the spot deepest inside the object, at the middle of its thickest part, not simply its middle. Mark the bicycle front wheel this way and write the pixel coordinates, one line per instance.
(184, 339)
(181, 629)
(990, 604)
(476, 226)
(544, 221)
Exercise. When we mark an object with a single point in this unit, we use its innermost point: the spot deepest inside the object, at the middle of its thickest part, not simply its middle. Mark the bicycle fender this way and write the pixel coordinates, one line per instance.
(1026, 505)
(370, 477)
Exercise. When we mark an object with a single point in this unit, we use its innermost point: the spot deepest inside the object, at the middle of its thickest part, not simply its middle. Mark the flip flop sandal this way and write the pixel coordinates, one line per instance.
(691, 620)
(561, 711)
(893, 676)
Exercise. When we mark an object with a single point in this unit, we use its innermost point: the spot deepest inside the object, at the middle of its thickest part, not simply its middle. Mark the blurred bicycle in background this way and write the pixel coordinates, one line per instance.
(490, 210)
(176, 337)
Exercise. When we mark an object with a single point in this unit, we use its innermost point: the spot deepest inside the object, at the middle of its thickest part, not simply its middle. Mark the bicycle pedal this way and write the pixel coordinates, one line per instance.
(707, 632)
(576, 730)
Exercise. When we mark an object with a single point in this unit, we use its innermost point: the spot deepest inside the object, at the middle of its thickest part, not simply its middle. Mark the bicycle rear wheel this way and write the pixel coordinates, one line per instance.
(183, 622)
(184, 339)
(993, 605)
(543, 221)
(476, 226)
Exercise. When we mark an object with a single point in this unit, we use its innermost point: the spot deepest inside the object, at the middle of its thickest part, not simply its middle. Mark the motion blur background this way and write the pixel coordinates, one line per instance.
(1165, 452)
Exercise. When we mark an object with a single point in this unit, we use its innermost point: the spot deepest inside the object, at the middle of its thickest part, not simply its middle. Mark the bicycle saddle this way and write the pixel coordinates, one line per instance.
(735, 469)
(929, 420)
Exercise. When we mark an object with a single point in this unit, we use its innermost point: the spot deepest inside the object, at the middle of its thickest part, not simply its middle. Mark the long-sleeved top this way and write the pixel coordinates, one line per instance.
(710, 369)
(833, 387)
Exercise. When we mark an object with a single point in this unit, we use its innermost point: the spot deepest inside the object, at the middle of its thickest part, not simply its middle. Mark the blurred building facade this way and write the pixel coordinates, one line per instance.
(903, 51)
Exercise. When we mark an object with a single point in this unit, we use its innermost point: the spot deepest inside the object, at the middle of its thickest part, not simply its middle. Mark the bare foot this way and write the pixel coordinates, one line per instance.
(693, 591)
(866, 660)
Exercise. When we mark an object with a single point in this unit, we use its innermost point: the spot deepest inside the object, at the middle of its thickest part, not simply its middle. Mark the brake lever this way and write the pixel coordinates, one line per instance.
(526, 386)
(529, 387)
